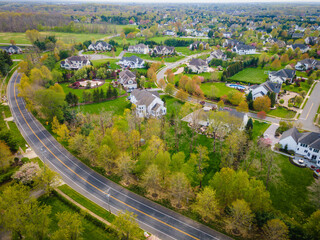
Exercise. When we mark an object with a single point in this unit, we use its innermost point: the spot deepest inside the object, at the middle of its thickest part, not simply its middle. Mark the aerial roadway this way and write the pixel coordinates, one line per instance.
(156, 219)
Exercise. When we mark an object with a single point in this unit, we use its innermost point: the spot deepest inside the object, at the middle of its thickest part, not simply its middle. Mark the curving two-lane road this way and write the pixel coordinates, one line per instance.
(158, 220)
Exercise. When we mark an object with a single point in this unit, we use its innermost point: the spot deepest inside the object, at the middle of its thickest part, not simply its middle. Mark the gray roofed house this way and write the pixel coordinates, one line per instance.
(231, 43)
(303, 48)
(128, 80)
(306, 144)
(297, 35)
(244, 49)
(217, 54)
(307, 64)
(311, 40)
(100, 46)
(282, 75)
(132, 62)
(280, 43)
(139, 48)
(265, 88)
(12, 49)
(196, 45)
(198, 65)
(75, 62)
(163, 50)
(148, 104)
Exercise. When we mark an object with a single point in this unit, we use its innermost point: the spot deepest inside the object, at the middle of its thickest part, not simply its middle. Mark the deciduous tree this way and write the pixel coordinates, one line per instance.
(262, 104)
(275, 229)
(70, 226)
(127, 225)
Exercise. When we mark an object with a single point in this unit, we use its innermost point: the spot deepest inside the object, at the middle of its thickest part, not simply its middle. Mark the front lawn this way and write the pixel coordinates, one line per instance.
(282, 112)
(148, 57)
(222, 88)
(117, 106)
(304, 86)
(259, 128)
(250, 75)
(186, 51)
(112, 62)
(107, 53)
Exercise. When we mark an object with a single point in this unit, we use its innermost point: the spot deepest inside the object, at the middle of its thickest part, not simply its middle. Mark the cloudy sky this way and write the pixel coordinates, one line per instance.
(188, 1)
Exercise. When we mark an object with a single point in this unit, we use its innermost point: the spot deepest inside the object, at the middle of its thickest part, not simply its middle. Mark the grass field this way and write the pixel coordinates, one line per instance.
(112, 62)
(259, 128)
(148, 57)
(250, 75)
(304, 86)
(222, 88)
(79, 92)
(282, 113)
(159, 39)
(187, 51)
(117, 106)
(107, 53)
(90, 230)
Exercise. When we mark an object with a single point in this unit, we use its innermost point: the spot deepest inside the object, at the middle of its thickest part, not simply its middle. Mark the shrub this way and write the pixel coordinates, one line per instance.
(290, 104)
(281, 101)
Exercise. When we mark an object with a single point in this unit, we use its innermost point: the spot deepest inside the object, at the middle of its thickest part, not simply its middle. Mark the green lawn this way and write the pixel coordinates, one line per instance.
(101, 212)
(79, 92)
(250, 75)
(222, 88)
(159, 39)
(187, 51)
(117, 106)
(90, 230)
(112, 62)
(282, 113)
(259, 128)
(148, 57)
(304, 86)
(107, 53)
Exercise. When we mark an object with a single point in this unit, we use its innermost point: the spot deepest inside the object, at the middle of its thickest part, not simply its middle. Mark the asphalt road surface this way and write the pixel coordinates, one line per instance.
(158, 220)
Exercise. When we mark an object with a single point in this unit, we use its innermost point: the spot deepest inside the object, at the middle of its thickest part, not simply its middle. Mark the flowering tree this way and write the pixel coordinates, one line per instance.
(27, 173)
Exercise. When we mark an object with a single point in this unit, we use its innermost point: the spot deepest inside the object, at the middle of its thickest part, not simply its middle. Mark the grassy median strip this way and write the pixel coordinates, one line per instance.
(101, 212)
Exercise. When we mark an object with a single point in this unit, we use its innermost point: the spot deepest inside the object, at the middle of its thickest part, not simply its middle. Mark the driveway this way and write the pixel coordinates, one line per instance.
(270, 132)
(310, 110)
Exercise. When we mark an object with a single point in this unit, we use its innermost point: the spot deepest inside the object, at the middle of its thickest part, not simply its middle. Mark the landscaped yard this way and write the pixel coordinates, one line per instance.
(222, 88)
(117, 106)
(250, 75)
(259, 128)
(148, 57)
(112, 62)
(304, 86)
(282, 113)
(187, 51)
(107, 53)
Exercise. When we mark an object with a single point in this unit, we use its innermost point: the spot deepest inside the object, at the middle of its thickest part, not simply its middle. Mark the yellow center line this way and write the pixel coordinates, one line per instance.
(89, 182)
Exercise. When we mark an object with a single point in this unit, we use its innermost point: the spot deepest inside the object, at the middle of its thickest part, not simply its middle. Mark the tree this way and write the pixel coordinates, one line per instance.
(241, 217)
(127, 225)
(151, 180)
(275, 229)
(298, 100)
(206, 204)
(276, 64)
(182, 95)
(243, 107)
(284, 58)
(179, 187)
(23, 215)
(170, 89)
(5, 156)
(217, 124)
(125, 165)
(63, 133)
(32, 35)
(274, 48)
(46, 179)
(314, 192)
(201, 158)
(262, 104)
(235, 97)
(262, 115)
(27, 173)
(312, 225)
(70, 226)
(213, 92)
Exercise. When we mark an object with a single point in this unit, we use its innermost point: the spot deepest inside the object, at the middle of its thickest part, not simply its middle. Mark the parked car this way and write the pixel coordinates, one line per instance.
(312, 166)
(318, 170)
(202, 102)
(300, 161)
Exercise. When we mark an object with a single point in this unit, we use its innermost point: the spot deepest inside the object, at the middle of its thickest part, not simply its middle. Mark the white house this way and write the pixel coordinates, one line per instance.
(148, 104)
(307, 64)
(100, 46)
(132, 62)
(139, 48)
(169, 33)
(280, 43)
(198, 65)
(196, 45)
(227, 34)
(244, 49)
(75, 62)
(217, 54)
(306, 144)
(164, 50)
(230, 43)
(282, 76)
(128, 80)
(12, 49)
(265, 88)
(311, 40)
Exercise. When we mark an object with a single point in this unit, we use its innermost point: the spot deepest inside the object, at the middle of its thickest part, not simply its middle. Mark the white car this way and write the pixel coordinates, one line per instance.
(301, 161)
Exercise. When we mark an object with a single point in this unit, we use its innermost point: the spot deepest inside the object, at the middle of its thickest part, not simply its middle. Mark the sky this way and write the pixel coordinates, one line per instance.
(178, 1)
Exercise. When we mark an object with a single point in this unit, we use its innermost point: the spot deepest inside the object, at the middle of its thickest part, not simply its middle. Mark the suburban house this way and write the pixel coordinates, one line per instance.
(169, 33)
(280, 43)
(306, 144)
(196, 45)
(297, 35)
(100, 46)
(132, 62)
(227, 34)
(282, 76)
(148, 104)
(139, 48)
(311, 40)
(303, 48)
(12, 49)
(164, 50)
(217, 54)
(244, 49)
(198, 65)
(128, 80)
(265, 88)
(75, 62)
(307, 64)
(199, 34)
(230, 43)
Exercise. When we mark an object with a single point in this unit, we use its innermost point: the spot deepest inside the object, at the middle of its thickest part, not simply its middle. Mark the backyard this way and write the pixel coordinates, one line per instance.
(304, 86)
(148, 57)
(112, 62)
(250, 75)
(282, 112)
(222, 88)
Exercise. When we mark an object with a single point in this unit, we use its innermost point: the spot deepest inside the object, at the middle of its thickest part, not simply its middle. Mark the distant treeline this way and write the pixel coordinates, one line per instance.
(20, 22)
